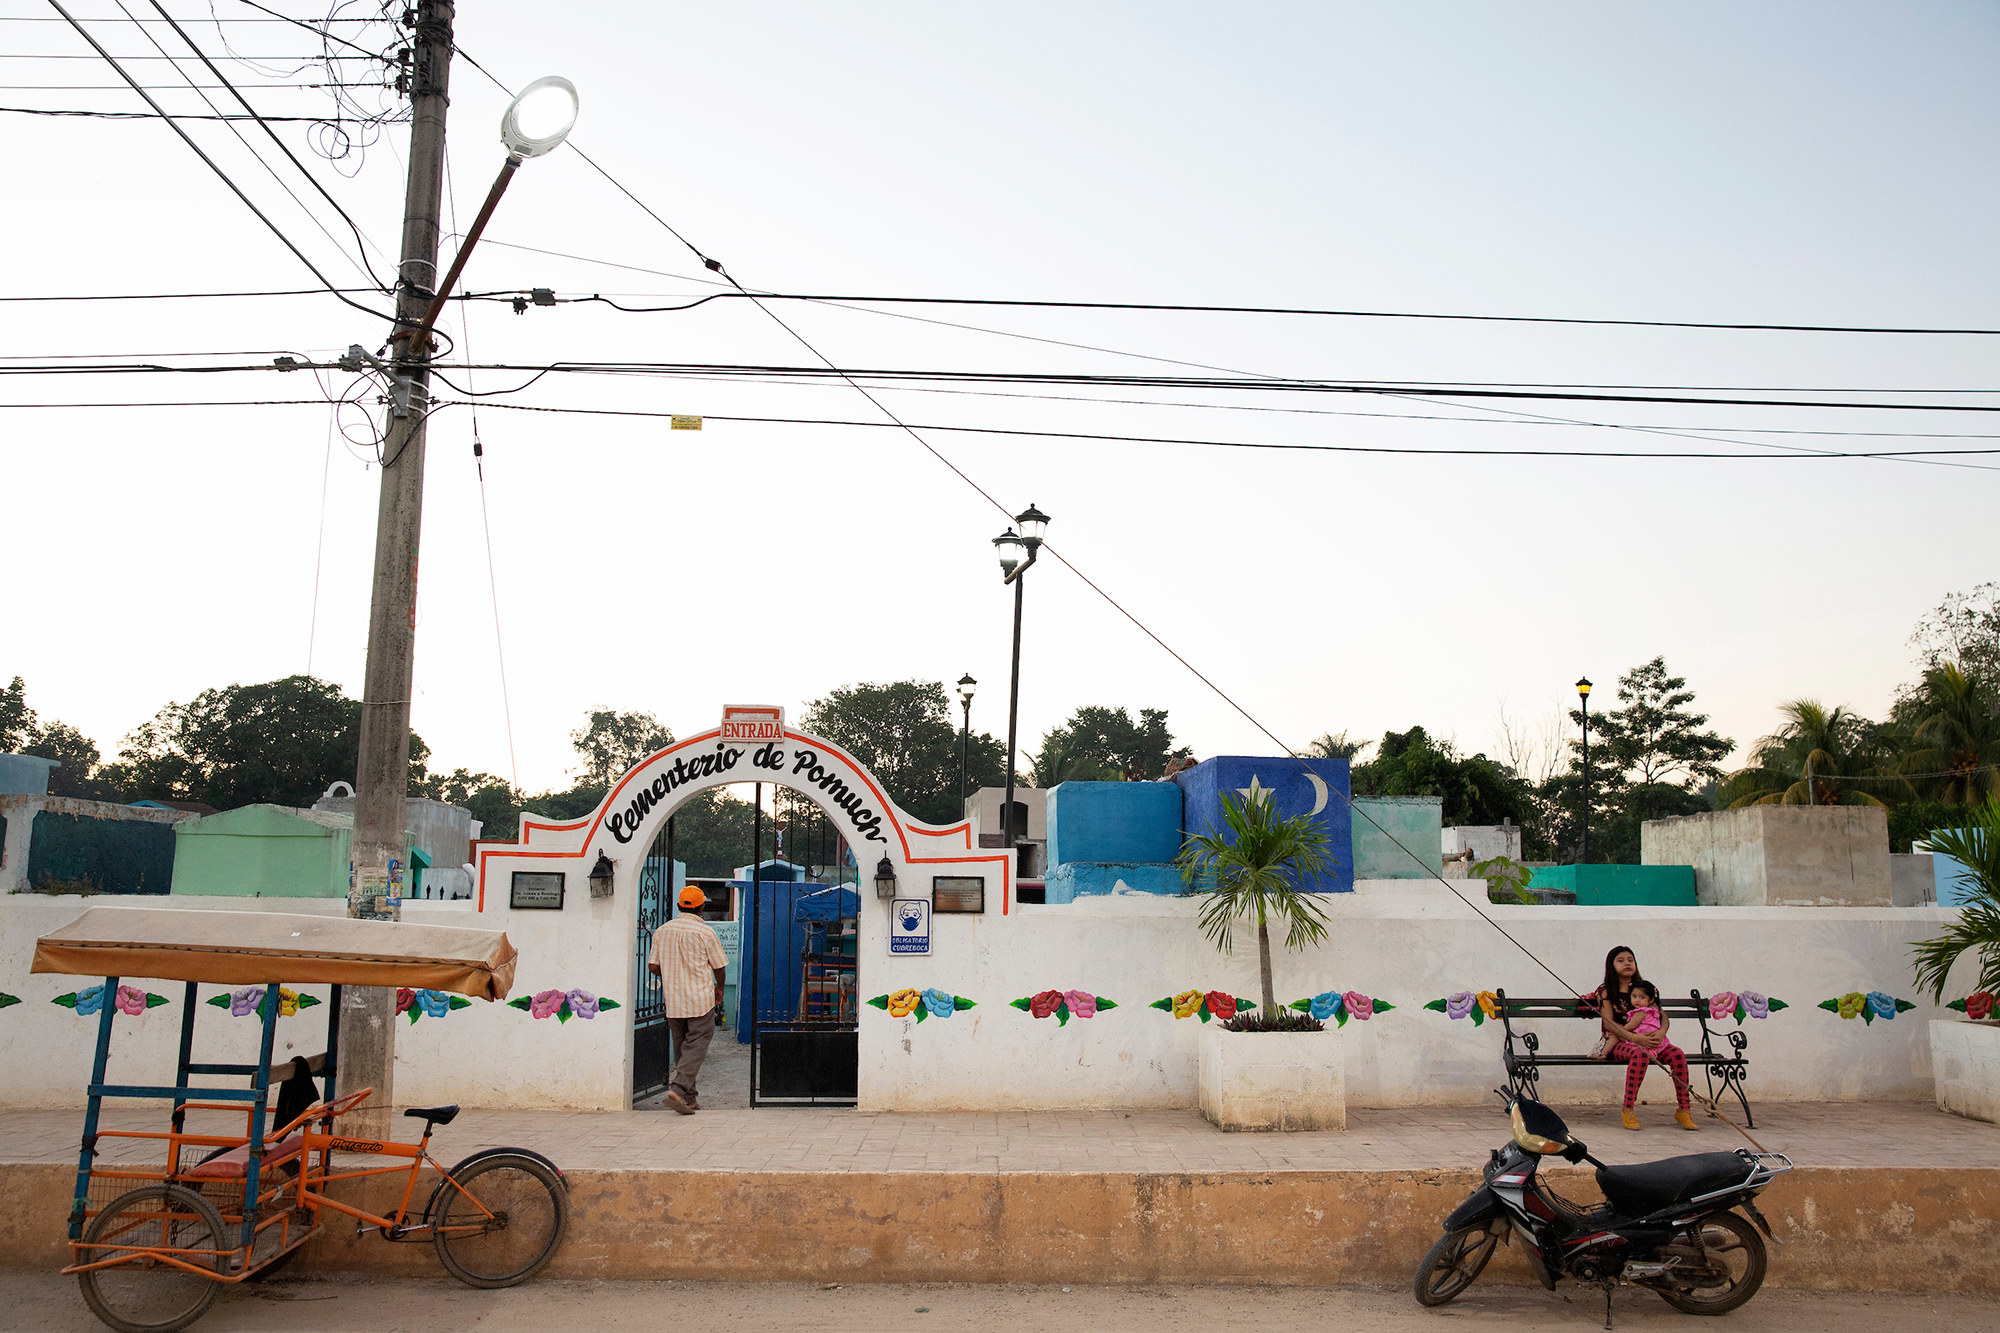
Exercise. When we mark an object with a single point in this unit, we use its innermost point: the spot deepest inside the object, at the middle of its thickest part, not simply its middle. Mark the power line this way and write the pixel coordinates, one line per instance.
(236, 189)
(148, 115)
(361, 241)
(1245, 444)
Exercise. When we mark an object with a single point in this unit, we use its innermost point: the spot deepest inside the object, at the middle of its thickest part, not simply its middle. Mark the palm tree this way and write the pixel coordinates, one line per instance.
(1829, 743)
(1977, 848)
(1252, 868)
(1959, 736)
(1332, 745)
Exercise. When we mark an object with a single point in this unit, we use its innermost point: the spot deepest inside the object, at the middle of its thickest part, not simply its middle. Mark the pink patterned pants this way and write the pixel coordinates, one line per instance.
(1637, 1057)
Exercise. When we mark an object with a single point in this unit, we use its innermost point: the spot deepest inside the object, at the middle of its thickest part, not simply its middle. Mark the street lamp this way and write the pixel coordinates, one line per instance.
(966, 684)
(1032, 523)
(1583, 693)
(536, 122)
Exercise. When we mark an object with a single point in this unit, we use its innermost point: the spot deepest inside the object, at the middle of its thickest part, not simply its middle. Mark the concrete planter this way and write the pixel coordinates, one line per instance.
(1271, 1080)
(1965, 1062)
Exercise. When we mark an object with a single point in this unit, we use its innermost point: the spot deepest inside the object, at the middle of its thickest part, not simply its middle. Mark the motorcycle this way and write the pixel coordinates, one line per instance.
(1676, 1226)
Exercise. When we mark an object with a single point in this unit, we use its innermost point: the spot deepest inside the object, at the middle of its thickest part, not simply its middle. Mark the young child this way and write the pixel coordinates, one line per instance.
(1642, 1019)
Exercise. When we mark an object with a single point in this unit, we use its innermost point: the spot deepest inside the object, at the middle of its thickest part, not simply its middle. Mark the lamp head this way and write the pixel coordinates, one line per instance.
(885, 879)
(1033, 524)
(965, 686)
(601, 877)
(540, 118)
(1583, 689)
(1011, 549)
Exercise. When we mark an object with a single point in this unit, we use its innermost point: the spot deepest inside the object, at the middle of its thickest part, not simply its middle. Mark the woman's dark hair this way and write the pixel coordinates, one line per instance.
(1611, 986)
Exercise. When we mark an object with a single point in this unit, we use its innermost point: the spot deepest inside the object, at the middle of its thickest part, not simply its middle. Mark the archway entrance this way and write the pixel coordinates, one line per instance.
(781, 890)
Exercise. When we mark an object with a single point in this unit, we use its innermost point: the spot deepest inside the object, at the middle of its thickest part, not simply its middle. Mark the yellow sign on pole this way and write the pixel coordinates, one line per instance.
(686, 423)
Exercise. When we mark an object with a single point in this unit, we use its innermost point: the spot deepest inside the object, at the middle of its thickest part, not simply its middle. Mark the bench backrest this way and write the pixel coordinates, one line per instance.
(1566, 1007)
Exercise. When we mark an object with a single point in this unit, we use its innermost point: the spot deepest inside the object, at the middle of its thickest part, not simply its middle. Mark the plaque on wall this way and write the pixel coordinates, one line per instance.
(536, 890)
(958, 893)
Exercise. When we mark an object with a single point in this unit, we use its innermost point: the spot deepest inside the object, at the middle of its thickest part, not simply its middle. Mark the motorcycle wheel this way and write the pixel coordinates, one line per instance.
(1737, 1252)
(1455, 1262)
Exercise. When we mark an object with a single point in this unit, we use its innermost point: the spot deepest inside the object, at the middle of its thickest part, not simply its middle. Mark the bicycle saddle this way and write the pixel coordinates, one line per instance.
(442, 1115)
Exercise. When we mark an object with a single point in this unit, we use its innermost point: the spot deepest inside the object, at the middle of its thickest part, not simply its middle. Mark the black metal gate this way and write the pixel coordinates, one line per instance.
(800, 951)
(652, 1048)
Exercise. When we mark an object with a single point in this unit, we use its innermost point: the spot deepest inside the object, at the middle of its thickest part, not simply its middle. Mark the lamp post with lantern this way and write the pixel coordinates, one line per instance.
(1583, 693)
(1011, 545)
(966, 685)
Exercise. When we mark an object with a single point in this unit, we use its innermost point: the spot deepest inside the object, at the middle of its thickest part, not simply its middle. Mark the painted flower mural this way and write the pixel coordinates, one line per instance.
(1977, 1006)
(1476, 1005)
(1341, 1006)
(430, 1003)
(1063, 1005)
(6, 999)
(1201, 1004)
(1866, 1006)
(125, 1000)
(247, 1000)
(1742, 1005)
(561, 1005)
(930, 1002)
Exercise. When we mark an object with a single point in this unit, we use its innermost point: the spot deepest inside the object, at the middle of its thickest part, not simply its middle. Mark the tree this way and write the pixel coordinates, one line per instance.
(22, 732)
(17, 720)
(1956, 735)
(1976, 928)
(904, 733)
(284, 742)
(1654, 738)
(1964, 629)
(611, 744)
(492, 801)
(1252, 868)
(1475, 790)
(1833, 743)
(1099, 744)
(1333, 745)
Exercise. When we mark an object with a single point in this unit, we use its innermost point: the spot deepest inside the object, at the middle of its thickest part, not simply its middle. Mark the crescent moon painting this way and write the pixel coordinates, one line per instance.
(1319, 792)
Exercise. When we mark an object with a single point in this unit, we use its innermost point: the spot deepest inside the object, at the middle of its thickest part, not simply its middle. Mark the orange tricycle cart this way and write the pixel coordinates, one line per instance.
(154, 1239)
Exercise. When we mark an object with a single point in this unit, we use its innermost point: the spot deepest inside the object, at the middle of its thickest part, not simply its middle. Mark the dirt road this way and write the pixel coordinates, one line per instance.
(361, 1305)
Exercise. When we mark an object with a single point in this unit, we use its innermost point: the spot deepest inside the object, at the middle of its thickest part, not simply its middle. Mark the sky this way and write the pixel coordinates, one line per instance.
(1771, 164)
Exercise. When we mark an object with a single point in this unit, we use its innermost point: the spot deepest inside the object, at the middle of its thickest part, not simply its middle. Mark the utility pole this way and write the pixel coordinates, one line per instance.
(367, 1032)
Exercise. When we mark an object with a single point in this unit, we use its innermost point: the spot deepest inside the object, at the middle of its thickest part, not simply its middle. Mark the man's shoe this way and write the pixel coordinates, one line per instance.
(694, 1103)
(676, 1103)
(1683, 1119)
(1627, 1119)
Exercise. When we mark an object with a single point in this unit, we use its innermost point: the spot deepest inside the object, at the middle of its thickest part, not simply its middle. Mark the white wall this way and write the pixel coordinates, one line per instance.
(1395, 940)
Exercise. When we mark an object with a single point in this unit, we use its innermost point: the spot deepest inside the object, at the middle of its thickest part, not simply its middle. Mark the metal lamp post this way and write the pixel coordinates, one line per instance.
(1583, 693)
(966, 685)
(1032, 523)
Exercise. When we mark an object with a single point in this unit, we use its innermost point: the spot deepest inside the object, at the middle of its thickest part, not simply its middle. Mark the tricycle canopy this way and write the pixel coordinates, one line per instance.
(251, 948)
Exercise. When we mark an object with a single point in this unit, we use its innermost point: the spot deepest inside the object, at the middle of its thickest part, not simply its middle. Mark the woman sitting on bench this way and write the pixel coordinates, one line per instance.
(1643, 1046)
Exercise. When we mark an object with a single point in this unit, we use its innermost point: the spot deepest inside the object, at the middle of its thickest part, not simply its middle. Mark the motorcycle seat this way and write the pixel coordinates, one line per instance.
(1649, 1186)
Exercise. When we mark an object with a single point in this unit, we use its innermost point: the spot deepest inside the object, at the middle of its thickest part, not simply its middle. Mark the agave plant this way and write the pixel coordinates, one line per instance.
(1252, 868)
(1977, 929)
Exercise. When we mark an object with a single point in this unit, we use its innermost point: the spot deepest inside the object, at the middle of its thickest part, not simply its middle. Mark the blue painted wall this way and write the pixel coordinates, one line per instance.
(1290, 783)
(1080, 879)
(1129, 822)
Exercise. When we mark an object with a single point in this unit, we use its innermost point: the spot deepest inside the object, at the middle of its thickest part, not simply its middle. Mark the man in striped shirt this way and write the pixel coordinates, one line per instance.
(686, 951)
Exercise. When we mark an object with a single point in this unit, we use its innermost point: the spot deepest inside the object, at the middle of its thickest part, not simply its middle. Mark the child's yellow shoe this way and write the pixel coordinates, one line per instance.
(1631, 1121)
(1683, 1119)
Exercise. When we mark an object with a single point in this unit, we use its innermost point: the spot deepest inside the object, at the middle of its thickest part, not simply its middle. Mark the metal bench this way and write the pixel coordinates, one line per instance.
(1525, 1059)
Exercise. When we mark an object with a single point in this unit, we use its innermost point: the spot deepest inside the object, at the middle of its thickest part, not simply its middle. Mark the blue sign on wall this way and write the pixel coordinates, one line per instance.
(909, 926)
(1316, 787)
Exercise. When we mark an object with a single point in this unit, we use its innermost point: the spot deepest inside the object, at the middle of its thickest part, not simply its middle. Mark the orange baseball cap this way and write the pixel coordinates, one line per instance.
(692, 897)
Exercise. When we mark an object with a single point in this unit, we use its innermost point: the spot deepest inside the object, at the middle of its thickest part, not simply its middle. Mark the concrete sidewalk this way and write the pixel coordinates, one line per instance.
(1887, 1197)
(785, 1139)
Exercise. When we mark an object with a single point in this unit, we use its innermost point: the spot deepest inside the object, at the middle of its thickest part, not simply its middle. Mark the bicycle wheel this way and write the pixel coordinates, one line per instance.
(1454, 1262)
(501, 1223)
(143, 1293)
(1736, 1262)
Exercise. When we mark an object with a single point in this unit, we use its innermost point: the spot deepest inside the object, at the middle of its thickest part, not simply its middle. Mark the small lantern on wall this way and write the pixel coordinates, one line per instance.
(885, 879)
(600, 877)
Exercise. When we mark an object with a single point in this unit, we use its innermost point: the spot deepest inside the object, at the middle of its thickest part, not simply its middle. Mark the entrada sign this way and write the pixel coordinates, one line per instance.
(801, 763)
(751, 723)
